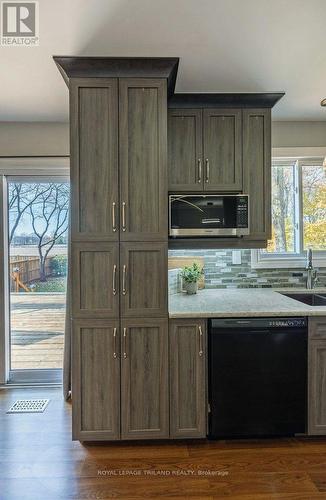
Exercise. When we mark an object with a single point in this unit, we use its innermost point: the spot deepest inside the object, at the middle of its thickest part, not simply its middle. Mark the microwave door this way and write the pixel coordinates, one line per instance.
(214, 213)
(209, 215)
(196, 212)
(185, 213)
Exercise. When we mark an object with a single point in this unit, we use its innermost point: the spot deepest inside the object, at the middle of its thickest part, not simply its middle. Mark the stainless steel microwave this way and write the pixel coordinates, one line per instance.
(208, 215)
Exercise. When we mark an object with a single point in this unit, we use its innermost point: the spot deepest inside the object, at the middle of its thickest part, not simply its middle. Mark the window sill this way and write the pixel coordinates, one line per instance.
(291, 262)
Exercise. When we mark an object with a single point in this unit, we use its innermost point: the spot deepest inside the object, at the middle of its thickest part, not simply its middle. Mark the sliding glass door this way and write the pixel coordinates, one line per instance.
(37, 234)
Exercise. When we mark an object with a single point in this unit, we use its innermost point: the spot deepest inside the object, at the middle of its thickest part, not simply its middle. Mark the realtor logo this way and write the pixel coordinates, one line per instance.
(19, 24)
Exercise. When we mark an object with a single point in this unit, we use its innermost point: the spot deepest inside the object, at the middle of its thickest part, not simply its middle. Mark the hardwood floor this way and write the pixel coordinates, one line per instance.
(38, 461)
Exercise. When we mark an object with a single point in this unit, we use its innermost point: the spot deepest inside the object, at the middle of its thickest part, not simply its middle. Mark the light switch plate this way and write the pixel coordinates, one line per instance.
(236, 256)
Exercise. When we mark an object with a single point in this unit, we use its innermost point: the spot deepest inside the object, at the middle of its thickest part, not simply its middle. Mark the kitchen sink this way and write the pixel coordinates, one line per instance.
(311, 299)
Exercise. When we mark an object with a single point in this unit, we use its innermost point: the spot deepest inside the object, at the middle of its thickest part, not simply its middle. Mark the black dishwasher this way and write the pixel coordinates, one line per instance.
(257, 377)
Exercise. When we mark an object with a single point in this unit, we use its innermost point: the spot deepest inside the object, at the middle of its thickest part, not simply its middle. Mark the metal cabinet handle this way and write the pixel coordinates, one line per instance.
(115, 355)
(124, 273)
(114, 280)
(207, 169)
(125, 343)
(114, 224)
(201, 352)
(123, 216)
(199, 170)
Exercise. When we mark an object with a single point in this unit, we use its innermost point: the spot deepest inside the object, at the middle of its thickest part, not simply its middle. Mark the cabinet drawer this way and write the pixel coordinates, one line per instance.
(317, 328)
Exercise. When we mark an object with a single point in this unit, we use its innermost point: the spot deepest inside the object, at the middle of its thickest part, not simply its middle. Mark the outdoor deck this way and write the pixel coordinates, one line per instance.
(37, 326)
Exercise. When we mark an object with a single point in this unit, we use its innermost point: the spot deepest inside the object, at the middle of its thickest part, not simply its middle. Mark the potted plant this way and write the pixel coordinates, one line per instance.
(190, 277)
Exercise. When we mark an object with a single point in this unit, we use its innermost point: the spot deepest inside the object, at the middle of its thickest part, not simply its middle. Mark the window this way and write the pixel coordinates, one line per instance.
(34, 199)
(298, 214)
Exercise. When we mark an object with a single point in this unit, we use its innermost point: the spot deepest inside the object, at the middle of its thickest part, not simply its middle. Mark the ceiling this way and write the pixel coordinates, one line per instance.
(223, 45)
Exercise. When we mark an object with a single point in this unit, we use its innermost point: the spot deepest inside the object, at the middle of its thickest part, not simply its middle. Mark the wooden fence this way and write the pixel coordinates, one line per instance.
(29, 269)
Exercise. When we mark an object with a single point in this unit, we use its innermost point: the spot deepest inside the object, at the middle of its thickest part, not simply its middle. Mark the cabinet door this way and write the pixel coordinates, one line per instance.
(222, 150)
(188, 403)
(143, 159)
(94, 159)
(257, 170)
(96, 380)
(144, 379)
(95, 280)
(185, 137)
(317, 387)
(143, 280)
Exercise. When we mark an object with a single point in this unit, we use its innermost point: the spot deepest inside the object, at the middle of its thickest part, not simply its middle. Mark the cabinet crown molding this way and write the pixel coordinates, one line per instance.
(224, 100)
(118, 67)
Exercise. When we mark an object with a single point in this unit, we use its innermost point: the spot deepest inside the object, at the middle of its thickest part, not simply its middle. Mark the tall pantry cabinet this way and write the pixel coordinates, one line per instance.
(118, 141)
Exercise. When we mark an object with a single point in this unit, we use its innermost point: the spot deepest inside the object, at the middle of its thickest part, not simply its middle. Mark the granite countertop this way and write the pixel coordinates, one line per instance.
(248, 302)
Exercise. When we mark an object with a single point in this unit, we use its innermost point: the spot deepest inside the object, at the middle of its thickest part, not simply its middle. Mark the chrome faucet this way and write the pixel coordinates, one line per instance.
(311, 271)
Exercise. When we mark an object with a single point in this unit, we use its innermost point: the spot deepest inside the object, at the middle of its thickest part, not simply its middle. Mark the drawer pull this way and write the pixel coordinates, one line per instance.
(114, 225)
(207, 169)
(125, 343)
(124, 274)
(199, 170)
(201, 352)
(115, 355)
(114, 280)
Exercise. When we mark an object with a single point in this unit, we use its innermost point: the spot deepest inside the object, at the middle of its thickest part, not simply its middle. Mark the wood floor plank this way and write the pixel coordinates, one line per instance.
(38, 460)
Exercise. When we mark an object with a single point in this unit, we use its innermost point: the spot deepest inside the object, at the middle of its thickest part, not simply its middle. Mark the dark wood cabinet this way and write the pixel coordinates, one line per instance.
(131, 360)
(96, 380)
(188, 359)
(185, 151)
(144, 379)
(222, 150)
(95, 271)
(236, 156)
(143, 157)
(119, 231)
(94, 159)
(257, 171)
(317, 376)
(120, 158)
(205, 150)
(143, 272)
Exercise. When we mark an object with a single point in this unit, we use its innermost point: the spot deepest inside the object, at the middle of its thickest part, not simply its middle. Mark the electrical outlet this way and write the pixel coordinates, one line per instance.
(236, 257)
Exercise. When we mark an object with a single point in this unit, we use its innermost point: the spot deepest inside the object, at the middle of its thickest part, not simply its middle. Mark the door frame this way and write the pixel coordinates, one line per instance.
(53, 167)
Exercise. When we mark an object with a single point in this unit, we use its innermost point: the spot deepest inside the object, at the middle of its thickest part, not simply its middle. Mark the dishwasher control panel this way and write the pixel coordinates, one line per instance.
(288, 323)
(259, 323)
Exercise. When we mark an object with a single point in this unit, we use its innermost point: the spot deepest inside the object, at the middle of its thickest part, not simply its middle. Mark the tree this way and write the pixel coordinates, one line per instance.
(20, 197)
(45, 206)
(282, 209)
(49, 217)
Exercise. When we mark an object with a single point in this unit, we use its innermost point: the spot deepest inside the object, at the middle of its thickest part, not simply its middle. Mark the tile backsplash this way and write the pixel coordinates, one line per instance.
(220, 272)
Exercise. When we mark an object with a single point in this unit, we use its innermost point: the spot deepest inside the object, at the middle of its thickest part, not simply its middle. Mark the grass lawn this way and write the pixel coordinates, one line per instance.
(51, 285)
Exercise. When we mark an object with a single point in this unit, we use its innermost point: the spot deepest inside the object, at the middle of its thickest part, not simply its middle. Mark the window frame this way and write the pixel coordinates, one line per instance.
(295, 259)
(30, 167)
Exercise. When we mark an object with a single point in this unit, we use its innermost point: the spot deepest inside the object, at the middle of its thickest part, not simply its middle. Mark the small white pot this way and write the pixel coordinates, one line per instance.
(190, 288)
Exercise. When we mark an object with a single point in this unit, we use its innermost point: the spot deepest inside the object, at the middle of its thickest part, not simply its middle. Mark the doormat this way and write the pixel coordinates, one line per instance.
(29, 406)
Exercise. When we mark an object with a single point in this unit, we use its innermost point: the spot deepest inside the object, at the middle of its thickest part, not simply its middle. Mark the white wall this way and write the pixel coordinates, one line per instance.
(298, 134)
(34, 139)
(48, 138)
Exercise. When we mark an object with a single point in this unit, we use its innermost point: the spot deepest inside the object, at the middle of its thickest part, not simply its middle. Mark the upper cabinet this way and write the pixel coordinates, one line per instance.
(257, 151)
(185, 149)
(118, 159)
(142, 146)
(221, 143)
(222, 150)
(94, 158)
(118, 138)
(205, 150)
